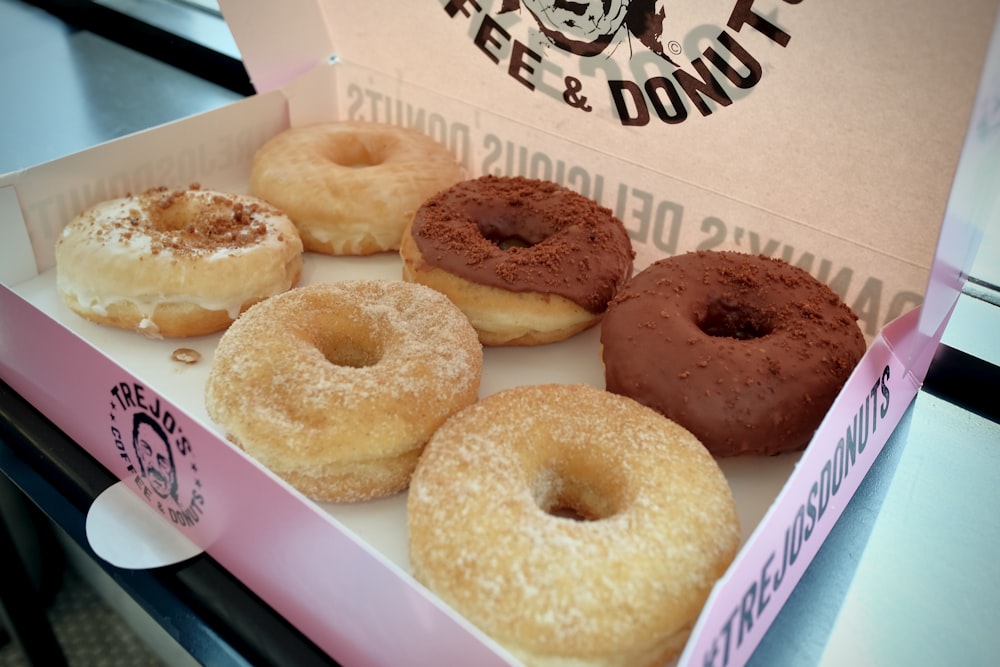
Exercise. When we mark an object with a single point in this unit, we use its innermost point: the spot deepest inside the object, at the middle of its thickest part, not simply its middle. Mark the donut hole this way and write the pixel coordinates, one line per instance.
(351, 351)
(172, 213)
(506, 232)
(507, 242)
(354, 153)
(511, 242)
(573, 497)
(724, 318)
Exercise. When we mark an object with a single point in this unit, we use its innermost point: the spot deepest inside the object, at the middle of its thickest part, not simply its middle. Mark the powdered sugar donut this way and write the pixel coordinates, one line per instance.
(336, 387)
(573, 525)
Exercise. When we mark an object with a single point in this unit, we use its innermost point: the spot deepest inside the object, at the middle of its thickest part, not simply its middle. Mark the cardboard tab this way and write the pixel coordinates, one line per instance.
(128, 533)
(17, 259)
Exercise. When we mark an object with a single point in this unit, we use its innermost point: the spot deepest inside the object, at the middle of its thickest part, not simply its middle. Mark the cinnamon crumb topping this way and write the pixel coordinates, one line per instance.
(526, 235)
(192, 221)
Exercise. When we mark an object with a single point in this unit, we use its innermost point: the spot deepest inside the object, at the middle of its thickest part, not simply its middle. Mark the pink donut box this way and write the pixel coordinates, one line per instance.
(339, 574)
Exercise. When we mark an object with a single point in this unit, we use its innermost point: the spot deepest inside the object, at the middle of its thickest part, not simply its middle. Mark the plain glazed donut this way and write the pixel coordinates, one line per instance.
(747, 352)
(572, 525)
(175, 262)
(529, 262)
(351, 187)
(336, 387)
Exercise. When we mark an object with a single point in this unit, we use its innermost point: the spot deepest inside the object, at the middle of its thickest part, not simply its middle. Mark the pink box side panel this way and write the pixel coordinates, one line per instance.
(753, 591)
(353, 604)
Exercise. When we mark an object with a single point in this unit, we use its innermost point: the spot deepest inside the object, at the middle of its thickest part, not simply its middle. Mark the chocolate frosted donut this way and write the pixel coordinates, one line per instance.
(747, 352)
(527, 261)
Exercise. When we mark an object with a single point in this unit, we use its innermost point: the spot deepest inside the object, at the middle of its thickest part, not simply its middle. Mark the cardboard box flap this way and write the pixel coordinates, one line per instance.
(805, 112)
(973, 204)
(47, 196)
(279, 40)
(17, 261)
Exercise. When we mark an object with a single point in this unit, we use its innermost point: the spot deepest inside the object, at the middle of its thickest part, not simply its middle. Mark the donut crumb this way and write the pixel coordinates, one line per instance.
(186, 355)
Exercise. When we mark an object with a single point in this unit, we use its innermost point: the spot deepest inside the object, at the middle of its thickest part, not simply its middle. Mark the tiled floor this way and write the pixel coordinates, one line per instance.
(90, 633)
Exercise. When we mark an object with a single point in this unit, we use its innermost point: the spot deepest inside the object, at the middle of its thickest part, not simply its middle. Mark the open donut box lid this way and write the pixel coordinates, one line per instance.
(831, 135)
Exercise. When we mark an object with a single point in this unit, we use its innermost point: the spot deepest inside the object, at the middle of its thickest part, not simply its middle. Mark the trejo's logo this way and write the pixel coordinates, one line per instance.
(640, 61)
(157, 454)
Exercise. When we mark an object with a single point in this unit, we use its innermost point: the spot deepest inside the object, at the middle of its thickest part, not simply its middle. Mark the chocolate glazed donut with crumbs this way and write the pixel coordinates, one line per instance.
(747, 352)
(528, 261)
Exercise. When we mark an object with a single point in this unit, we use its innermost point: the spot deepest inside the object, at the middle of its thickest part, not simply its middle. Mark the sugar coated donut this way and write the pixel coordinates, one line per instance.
(747, 352)
(529, 262)
(174, 262)
(572, 525)
(336, 387)
(351, 186)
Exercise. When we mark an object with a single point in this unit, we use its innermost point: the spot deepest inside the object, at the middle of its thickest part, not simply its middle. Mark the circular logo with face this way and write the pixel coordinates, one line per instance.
(641, 62)
(157, 455)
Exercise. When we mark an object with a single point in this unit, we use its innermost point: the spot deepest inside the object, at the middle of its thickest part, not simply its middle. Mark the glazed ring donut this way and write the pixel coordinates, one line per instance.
(529, 262)
(572, 525)
(175, 262)
(336, 387)
(747, 352)
(351, 186)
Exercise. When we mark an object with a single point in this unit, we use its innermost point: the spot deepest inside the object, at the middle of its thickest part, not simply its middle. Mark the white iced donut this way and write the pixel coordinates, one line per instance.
(175, 262)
